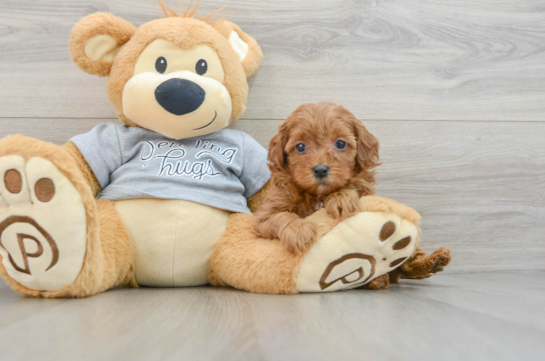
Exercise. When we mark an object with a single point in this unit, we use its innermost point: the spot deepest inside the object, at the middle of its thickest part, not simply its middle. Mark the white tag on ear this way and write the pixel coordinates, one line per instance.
(238, 45)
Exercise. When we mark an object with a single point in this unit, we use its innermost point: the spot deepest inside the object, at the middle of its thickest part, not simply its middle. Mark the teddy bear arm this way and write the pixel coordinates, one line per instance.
(83, 166)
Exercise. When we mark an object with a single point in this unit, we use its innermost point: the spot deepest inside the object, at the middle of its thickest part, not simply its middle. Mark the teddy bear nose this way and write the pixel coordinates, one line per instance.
(321, 171)
(179, 96)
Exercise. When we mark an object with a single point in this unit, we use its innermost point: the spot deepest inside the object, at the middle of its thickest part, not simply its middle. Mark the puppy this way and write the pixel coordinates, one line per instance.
(322, 157)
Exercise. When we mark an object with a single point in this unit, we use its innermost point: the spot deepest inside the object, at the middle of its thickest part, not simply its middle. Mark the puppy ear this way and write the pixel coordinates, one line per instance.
(277, 156)
(368, 146)
(96, 40)
(243, 44)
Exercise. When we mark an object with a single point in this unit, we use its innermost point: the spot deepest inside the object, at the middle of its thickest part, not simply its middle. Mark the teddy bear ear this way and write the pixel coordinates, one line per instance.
(96, 40)
(244, 45)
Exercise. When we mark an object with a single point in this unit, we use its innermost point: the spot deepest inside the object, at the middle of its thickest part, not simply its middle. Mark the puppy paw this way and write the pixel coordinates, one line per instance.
(380, 283)
(425, 266)
(439, 259)
(298, 236)
(342, 204)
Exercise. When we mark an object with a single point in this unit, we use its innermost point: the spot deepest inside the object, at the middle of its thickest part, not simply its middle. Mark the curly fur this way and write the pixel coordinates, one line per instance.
(296, 192)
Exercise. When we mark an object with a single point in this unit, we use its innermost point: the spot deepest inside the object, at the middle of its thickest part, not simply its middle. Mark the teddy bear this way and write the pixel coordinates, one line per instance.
(165, 198)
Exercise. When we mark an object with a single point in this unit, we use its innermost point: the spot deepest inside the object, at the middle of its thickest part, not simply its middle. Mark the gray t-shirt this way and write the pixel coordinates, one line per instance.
(220, 170)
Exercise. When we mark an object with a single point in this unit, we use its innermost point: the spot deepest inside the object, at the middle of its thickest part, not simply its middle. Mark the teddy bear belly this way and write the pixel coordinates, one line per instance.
(172, 240)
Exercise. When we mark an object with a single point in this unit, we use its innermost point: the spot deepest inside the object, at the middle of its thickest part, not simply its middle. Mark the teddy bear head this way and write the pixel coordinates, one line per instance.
(178, 76)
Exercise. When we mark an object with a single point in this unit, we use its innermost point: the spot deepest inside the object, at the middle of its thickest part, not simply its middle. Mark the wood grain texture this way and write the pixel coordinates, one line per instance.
(396, 59)
(479, 186)
(458, 317)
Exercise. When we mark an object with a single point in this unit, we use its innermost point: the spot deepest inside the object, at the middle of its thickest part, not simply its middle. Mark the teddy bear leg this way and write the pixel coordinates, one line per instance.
(55, 239)
(244, 261)
(347, 254)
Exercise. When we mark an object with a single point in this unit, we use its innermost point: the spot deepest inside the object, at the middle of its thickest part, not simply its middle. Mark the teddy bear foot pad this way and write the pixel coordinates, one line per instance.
(42, 224)
(374, 243)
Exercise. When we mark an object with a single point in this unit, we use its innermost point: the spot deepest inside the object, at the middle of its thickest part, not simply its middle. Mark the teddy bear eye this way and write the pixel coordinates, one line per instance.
(341, 144)
(201, 67)
(161, 65)
(300, 147)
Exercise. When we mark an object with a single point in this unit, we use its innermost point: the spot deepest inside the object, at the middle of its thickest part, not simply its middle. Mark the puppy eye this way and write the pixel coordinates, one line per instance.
(201, 67)
(300, 147)
(161, 65)
(341, 144)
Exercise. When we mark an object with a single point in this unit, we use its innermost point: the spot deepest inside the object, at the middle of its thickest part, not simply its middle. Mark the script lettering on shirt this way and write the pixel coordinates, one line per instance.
(224, 155)
(172, 162)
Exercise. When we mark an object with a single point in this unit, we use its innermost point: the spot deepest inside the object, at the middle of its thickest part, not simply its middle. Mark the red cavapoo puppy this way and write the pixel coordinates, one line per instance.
(324, 157)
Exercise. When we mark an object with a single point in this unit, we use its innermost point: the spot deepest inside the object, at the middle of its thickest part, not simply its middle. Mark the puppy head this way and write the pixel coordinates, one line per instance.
(321, 147)
(178, 76)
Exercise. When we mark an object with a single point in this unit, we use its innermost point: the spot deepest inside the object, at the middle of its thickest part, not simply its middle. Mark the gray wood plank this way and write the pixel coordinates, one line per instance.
(458, 317)
(55, 130)
(479, 186)
(398, 59)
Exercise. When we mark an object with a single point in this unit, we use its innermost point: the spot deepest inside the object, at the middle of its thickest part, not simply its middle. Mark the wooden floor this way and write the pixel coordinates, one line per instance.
(490, 316)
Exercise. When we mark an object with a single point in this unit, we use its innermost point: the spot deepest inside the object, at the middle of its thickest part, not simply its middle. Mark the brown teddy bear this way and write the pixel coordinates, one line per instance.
(165, 199)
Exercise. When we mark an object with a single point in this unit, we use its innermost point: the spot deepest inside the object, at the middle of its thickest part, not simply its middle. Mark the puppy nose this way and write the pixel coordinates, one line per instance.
(321, 171)
(179, 96)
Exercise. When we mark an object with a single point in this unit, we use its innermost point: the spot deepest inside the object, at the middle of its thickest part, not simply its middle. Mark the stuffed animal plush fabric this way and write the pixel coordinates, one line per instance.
(165, 199)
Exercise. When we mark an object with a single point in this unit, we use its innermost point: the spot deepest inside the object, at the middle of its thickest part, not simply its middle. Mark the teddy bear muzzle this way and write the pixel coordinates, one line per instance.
(178, 105)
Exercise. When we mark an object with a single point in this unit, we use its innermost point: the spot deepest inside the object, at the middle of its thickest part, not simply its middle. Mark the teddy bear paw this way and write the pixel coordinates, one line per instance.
(42, 224)
(357, 251)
